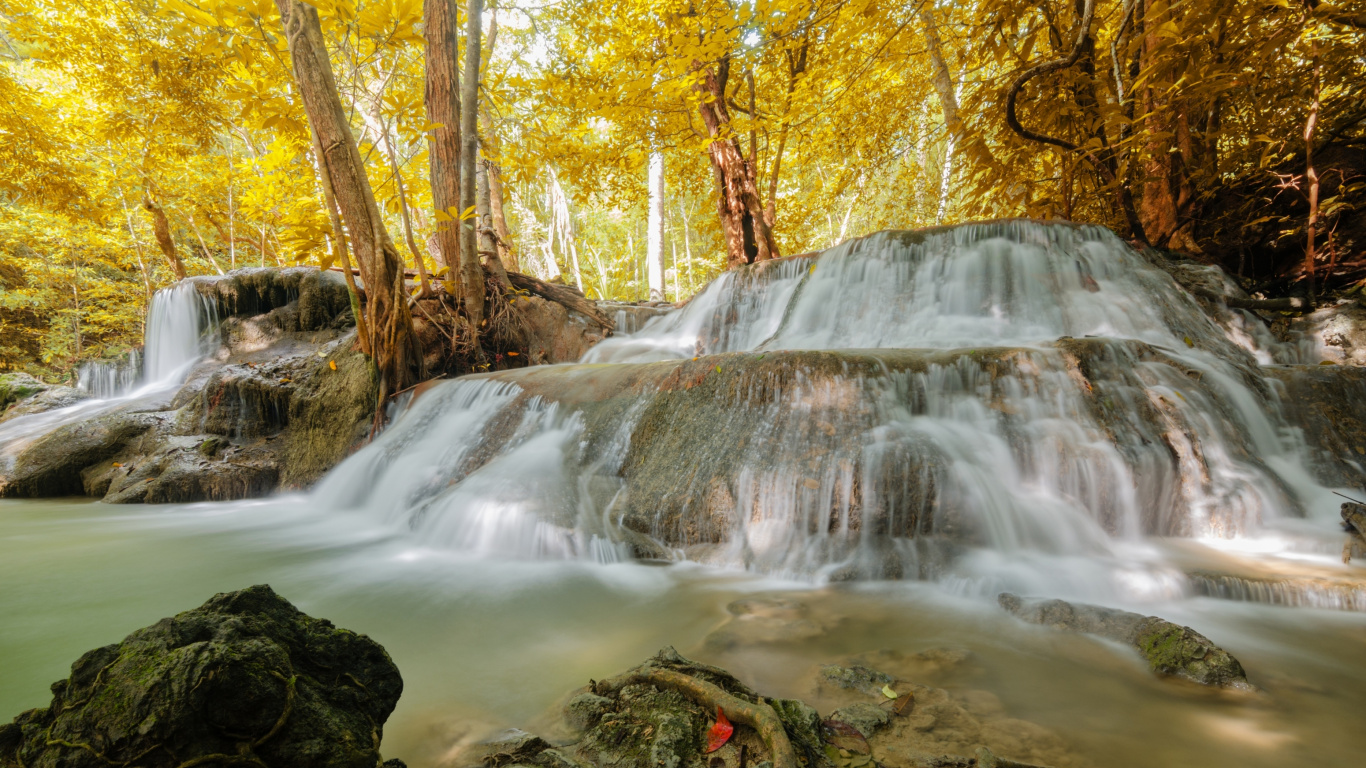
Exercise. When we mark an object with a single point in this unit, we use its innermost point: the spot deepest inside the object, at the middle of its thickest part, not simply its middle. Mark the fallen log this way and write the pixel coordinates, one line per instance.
(560, 294)
(1289, 304)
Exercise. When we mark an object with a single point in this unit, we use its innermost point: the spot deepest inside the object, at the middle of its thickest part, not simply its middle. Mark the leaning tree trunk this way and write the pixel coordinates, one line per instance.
(471, 272)
(162, 229)
(393, 344)
(443, 141)
(749, 238)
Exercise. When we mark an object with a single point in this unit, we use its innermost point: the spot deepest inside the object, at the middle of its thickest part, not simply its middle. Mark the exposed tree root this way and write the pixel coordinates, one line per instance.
(760, 717)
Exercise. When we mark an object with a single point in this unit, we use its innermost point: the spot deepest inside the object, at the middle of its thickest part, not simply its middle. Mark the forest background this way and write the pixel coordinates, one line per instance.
(145, 140)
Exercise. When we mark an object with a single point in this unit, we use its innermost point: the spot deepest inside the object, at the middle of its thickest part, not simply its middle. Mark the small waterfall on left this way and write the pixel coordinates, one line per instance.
(177, 336)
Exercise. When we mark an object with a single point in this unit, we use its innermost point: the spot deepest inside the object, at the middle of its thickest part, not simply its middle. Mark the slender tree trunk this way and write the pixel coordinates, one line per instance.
(1311, 175)
(471, 272)
(488, 237)
(443, 110)
(491, 146)
(208, 254)
(749, 237)
(137, 249)
(161, 229)
(394, 345)
(655, 238)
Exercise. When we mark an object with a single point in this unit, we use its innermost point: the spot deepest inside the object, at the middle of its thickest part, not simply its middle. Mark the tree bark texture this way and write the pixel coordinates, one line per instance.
(161, 228)
(489, 142)
(749, 238)
(394, 346)
(471, 272)
(443, 110)
(654, 250)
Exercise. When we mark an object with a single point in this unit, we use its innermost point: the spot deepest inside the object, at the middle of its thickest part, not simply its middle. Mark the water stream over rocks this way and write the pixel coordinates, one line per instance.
(1009, 406)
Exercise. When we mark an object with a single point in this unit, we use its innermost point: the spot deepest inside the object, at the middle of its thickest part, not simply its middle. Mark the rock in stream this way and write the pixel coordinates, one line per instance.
(245, 679)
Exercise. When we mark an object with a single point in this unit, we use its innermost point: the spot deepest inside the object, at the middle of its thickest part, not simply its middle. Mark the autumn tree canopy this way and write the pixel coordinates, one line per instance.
(142, 140)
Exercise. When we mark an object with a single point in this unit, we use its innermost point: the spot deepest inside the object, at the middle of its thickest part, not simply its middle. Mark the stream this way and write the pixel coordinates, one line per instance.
(1010, 406)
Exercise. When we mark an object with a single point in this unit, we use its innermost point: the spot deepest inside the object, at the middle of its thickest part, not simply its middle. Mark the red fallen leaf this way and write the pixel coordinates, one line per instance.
(720, 732)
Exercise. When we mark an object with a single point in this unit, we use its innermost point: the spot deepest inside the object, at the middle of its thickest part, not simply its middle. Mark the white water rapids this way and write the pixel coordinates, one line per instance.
(176, 338)
(1074, 400)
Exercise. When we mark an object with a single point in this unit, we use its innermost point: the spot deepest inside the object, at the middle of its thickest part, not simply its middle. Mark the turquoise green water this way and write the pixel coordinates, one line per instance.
(485, 644)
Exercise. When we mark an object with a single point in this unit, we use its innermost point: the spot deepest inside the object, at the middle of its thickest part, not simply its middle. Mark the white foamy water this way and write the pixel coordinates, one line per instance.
(1019, 405)
(175, 340)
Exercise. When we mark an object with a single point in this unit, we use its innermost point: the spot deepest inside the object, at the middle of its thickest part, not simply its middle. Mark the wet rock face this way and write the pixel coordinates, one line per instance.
(38, 401)
(1324, 401)
(245, 679)
(1170, 649)
(52, 464)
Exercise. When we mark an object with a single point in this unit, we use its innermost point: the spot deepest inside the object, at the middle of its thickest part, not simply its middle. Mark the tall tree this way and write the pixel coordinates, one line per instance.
(749, 238)
(471, 271)
(393, 343)
(442, 96)
(654, 252)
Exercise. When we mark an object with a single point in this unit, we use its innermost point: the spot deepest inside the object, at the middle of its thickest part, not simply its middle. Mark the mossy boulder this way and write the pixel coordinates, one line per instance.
(17, 386)
(245, 679)
(1169, 649)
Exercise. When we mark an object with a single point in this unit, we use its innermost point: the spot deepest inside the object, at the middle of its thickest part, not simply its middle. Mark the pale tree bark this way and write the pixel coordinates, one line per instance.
(394, 345)
(443, 141)
(161, 229)
(491, 145)
(948, 104)
(488, 237)
(654, 254)
(796, 66)
(471, 273)
(749, 238)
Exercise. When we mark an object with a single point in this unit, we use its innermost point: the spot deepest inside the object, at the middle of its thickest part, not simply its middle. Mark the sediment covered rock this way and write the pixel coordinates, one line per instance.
(661, 713)
(245, 679)
(1170, 649)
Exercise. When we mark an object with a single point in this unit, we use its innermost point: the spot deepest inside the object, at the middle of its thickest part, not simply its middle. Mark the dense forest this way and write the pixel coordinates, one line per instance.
(635, 149)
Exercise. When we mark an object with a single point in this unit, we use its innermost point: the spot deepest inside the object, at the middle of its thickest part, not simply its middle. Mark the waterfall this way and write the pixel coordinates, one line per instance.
(174, 340)
(178, 335)
(977, 403)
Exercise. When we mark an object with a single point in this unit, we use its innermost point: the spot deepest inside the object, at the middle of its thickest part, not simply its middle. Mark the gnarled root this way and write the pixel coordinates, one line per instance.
(760, 717)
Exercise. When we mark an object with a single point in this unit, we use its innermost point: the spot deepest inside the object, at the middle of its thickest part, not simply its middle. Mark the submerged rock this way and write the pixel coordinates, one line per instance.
(245, 679)
(660, 714)
(1169, 649)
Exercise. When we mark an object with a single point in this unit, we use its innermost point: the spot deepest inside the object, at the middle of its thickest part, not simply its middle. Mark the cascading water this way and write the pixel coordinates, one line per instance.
(174, 341)
(983, 403)
(176, 338)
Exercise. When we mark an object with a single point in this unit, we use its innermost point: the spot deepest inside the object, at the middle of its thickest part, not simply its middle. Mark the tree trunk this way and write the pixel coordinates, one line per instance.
(488, 238)
(655, 240)
(161, 228)
(471, 272)
(443, 141)
(491, 146)
(394, 345)
(749, 238)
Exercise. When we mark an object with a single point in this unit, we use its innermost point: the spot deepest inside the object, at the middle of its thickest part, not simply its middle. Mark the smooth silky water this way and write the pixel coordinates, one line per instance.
(480, 539)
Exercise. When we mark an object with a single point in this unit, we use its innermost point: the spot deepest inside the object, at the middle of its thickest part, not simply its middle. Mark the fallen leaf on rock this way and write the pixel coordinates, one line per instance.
(332, 364)
(888, 692)
(842, 735)
(720, 732)
(513, 354)
(904, 704)
(117, 464)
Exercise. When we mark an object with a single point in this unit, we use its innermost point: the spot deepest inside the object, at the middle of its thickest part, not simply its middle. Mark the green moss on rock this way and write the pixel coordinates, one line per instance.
(245, 679)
